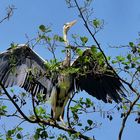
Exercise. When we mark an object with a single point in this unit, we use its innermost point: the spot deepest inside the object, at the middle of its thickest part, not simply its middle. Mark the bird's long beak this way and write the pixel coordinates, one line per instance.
(72, 23)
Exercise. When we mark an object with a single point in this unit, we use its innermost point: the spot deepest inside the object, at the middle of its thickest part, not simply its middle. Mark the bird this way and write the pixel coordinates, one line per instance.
(23, 67)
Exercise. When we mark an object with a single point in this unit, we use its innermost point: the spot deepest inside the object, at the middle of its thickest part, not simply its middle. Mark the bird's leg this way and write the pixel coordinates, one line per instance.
(61, 119)
(53, 112)
(62, 111)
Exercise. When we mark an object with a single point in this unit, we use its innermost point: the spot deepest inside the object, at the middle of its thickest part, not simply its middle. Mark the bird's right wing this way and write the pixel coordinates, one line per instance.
(96, 78)
(21, 66)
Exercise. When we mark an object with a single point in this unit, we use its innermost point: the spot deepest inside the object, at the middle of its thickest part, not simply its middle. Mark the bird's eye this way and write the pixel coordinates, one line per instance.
(66, 24)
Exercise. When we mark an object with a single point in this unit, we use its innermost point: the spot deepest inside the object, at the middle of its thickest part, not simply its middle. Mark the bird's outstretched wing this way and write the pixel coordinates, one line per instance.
(23, 67)
(96, 78)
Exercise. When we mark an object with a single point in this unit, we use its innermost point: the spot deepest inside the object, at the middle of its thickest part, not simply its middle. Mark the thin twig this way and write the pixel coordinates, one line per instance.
(14, 115)
(9, 13)
(68, 108)
(126, 117)
(34, 108)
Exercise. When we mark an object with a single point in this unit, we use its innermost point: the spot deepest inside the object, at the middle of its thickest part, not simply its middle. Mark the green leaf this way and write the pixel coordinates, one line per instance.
(138, 105)
(58, 38)
(90, 122)
(51, 137)
(19, 129)
(19, 136)
(127, 67)
(12, 90)
(9, 138)
(9, 133)
(94, 49)
(131, 44)
(36, 137)
(61, 39)
(133, 65)
(86, 128)
(84, 39)
(63, 51)
(138, 69)
(100, 55)
(42, 28)
(120, 58)
(79, 124)
(129, 56)
(109, 58)
(89, 103)
(4, 107)
(44, 135)
(96, 23)
(126, 63)
(114, 61)
(125, 107)
(47, 38)
(13, 45)
(79, 51)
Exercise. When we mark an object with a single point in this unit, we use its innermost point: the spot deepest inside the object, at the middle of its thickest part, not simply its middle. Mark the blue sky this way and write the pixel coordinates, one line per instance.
(122, 24)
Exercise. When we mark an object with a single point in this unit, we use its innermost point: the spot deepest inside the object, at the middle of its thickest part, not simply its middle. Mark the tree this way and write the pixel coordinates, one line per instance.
(127, 65)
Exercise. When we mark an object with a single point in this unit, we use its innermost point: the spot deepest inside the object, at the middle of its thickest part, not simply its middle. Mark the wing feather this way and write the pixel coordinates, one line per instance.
(97, 79)
(21, 66)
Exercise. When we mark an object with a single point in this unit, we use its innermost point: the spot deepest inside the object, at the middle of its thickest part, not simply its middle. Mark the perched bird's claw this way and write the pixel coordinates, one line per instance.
(52, 121)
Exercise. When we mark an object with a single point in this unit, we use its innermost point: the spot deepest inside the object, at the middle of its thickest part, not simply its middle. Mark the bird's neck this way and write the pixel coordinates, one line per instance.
(68, 51)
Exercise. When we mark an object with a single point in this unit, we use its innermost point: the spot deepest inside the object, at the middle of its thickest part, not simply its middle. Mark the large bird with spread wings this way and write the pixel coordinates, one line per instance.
(23, 67)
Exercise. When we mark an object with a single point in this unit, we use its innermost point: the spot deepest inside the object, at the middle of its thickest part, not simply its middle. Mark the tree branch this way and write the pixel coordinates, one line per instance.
(35, 113)
(72, 131)
(9, 13)
(126, 117)
(68, 108)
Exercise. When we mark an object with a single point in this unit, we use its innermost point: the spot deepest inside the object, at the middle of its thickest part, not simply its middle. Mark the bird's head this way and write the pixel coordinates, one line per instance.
(67, 26)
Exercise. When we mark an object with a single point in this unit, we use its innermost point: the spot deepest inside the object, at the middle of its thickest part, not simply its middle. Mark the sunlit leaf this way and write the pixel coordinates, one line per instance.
(79, 51)
(42, 28)
(120, 58)
(96, 23)
(131, 44)
(84, 39)
(94, 49)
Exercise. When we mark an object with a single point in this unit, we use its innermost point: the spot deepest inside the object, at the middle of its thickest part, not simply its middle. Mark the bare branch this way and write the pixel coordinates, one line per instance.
(14, 115)
(68, 108)
(10, 11)
(33, 104)
(126, 116)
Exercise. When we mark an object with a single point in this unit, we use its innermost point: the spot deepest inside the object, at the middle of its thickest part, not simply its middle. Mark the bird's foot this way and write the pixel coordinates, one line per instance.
(63, 123)
(52, 121)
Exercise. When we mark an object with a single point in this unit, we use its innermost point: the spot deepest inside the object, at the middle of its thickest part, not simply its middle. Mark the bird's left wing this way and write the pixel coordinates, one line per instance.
(21, 66)
(96, 78)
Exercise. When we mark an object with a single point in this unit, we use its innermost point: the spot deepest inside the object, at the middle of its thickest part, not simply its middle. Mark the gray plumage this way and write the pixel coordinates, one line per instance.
(23, 67)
